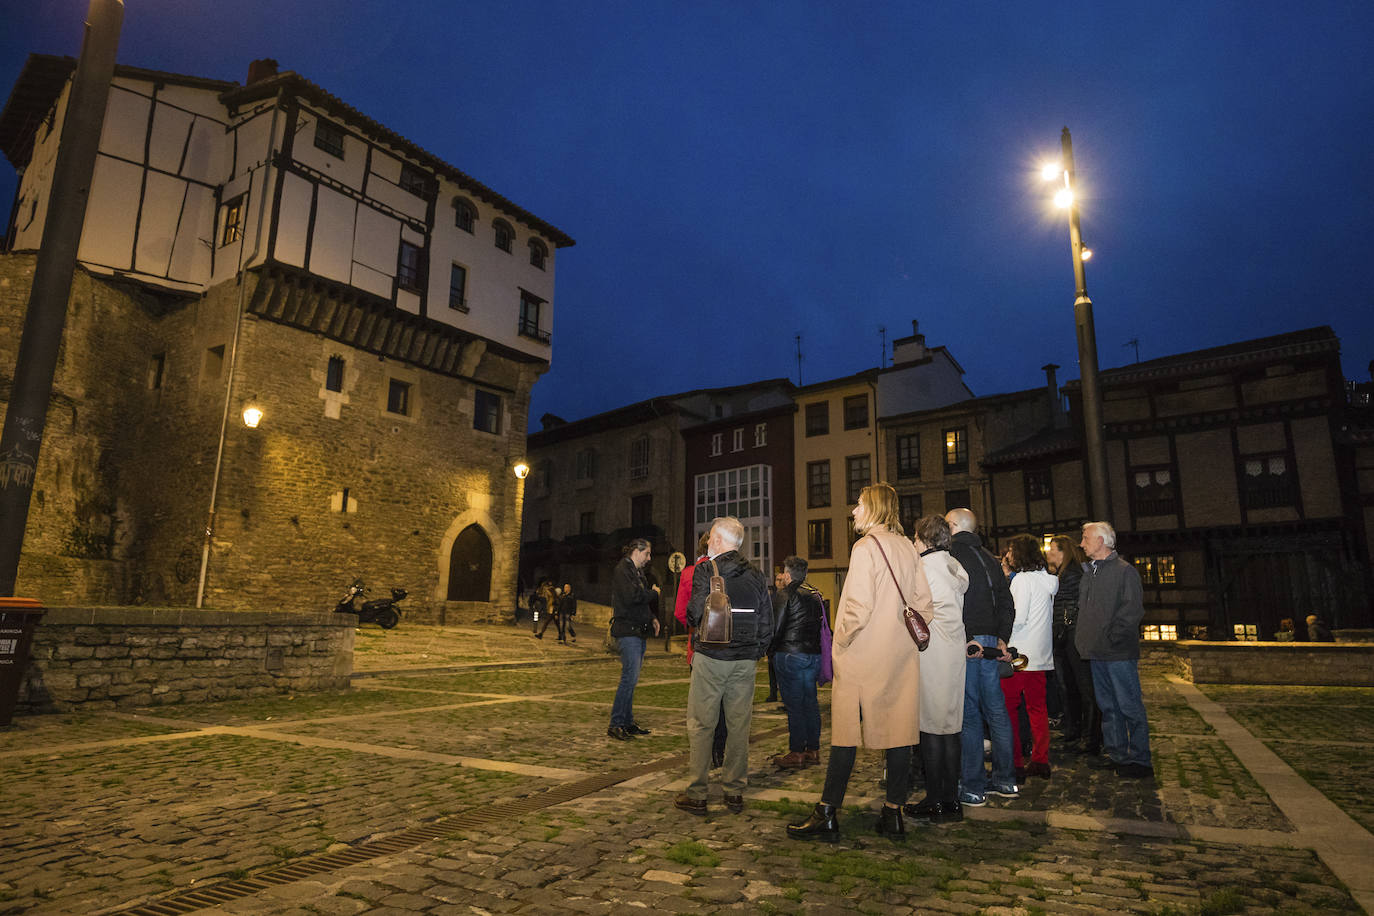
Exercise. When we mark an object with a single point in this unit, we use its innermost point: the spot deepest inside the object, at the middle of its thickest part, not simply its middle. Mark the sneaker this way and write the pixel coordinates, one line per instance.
(1005, 791)
(1135, 771)
(972, 800)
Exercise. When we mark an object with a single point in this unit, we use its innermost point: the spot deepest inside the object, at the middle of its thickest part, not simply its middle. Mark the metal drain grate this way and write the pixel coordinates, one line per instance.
(190, 901)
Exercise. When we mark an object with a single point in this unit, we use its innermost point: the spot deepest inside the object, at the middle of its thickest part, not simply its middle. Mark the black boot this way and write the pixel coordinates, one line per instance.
(950, 752)
(931, 763)
(890, 824)
(823, 824)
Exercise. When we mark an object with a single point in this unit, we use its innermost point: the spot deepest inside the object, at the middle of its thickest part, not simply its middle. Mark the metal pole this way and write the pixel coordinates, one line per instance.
(1095, 446)
(36, 363)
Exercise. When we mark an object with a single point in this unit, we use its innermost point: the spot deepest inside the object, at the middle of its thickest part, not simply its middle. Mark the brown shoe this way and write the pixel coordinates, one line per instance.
(694, 806)
(796, 760)
(734, 802)
(813, 757)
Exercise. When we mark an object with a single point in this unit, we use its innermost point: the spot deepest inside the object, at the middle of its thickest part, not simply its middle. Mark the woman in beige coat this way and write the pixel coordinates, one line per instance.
(942, 676)
(875, 701)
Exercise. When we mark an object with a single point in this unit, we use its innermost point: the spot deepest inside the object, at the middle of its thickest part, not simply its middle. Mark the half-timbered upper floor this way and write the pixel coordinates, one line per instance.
(197, 179)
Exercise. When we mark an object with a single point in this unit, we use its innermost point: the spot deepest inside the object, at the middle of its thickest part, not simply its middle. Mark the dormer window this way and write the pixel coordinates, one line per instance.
(539, 253)
(329, 137)
(464, 214)
(505, 235)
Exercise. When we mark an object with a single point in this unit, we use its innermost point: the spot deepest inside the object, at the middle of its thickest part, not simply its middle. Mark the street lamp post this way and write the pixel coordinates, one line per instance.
(1099, 505)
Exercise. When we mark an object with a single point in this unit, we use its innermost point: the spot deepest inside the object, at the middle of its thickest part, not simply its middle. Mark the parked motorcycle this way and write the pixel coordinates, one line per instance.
(381, 611)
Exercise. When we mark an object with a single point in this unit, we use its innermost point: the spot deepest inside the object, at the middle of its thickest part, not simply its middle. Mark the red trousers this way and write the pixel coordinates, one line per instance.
(1030, 686)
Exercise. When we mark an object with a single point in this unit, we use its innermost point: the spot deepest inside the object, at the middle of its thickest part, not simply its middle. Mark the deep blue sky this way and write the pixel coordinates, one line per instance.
(735, 173)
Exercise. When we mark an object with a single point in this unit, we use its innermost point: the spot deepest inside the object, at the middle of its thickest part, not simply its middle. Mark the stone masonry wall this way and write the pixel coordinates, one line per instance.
(123, 657)
(124, 479)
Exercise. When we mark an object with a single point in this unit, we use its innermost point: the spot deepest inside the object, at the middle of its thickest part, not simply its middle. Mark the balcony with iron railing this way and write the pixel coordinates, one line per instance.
(531, 329)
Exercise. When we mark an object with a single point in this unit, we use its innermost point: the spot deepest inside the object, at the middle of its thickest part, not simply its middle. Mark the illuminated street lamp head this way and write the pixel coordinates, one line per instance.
(1086, 254)
(522, 470)
(1051, 170)
(1063, 198)
(252, 416)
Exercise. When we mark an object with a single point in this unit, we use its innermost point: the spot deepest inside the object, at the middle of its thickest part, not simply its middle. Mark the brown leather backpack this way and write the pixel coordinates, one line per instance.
(716, 621)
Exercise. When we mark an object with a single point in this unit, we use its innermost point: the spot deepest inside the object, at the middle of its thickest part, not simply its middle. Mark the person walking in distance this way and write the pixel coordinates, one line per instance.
(632, 622)
(1110, 608)
(567, 610)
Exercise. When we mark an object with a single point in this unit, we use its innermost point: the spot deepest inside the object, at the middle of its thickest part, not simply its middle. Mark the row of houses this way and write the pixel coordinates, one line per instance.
(1241, 477)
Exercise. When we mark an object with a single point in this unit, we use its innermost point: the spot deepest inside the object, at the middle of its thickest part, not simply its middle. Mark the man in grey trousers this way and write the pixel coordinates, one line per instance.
(723, 674)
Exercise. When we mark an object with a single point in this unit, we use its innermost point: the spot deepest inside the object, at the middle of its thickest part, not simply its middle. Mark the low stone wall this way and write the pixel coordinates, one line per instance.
(128, 656)
(1326, 664)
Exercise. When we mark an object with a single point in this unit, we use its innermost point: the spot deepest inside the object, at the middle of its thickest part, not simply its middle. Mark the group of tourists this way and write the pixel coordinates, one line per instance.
(997, 628)
(550, 603)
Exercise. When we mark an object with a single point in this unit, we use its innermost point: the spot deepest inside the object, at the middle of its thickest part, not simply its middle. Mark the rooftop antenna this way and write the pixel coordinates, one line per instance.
(799, 361)
(1134, 342)
(882, 355)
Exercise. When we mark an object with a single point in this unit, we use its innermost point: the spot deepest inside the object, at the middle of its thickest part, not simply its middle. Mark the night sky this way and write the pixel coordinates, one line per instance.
(738, 173)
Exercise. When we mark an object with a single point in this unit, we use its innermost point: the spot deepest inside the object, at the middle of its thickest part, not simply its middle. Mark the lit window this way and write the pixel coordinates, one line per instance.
(1245, 632)
(1160, 631)
(233, 221)
(956, 450)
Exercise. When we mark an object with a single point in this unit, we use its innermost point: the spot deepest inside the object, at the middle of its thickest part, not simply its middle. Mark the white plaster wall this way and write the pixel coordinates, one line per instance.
(375, 244)
(170, 129)
(332, 247)
(36, 184)
(348, 170)
(495, 278)
(107, 236)
(190, 255)
(126, 123)
(921, 387)
(293, 220)
(163, 196)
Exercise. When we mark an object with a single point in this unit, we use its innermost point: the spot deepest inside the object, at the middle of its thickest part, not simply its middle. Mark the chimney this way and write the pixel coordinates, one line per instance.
(261, 69)
(1057, 415)
(910, 349)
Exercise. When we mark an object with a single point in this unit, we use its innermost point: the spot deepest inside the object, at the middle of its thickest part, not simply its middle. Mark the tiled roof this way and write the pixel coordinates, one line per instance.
(1215, 359)
(1051, 441)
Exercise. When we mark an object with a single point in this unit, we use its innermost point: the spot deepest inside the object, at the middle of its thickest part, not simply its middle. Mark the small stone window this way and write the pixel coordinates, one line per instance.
(398, 397)
(539, 253)
(504, 235)
(486, 413)
(333, 374)
(464, 214)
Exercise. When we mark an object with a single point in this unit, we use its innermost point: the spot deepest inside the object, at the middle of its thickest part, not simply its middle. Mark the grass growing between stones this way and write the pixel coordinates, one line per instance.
(690, 852)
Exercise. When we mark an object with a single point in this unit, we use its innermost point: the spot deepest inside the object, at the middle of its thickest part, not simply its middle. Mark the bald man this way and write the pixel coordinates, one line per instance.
(988, 616)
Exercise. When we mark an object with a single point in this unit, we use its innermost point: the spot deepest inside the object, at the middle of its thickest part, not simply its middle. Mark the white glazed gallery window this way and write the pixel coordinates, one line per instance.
(745, 493)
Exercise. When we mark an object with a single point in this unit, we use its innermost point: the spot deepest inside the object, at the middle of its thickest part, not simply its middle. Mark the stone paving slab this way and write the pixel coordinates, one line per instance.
(152, 810)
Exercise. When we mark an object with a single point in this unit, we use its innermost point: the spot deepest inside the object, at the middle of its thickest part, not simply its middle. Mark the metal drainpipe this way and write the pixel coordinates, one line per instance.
(234, 351)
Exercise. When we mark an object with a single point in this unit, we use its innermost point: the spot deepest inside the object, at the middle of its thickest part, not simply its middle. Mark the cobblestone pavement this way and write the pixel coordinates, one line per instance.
(470, 773)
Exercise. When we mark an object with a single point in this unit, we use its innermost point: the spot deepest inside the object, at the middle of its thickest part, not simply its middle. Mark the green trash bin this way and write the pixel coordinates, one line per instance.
(18, 619)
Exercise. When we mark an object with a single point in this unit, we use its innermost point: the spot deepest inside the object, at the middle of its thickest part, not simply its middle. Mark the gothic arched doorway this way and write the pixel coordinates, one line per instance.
(469, 566)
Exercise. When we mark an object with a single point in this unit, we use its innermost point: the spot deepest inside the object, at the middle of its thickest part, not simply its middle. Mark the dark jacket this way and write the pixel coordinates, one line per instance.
(1110, 608)
(567, 604)
(750, 633)
(797, 624)
(1066, 599)
(632, 601)
(988, 608)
